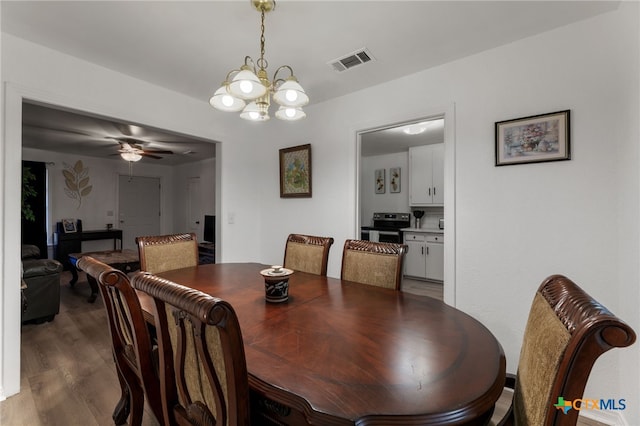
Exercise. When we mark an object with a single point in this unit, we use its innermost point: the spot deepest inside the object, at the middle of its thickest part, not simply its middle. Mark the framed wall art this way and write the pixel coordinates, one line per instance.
(534, 139)
(394, 179)
(295, 171)
(379, 181)
(69, 225)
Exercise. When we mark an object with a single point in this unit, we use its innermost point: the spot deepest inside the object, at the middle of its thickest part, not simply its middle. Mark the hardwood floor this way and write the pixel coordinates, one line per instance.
(422, 288)
(68, 376)
(67, 372)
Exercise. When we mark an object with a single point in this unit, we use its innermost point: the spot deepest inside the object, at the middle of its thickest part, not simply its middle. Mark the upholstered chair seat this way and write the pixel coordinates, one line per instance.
(566, 332)
(133, 351)
(373, 263)
(204, 375)
(307, 253)
(167, 252)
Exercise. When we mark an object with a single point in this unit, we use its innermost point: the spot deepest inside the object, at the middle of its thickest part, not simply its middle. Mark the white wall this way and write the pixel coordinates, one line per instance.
(514, 225)
(371, 202)
(93, 209)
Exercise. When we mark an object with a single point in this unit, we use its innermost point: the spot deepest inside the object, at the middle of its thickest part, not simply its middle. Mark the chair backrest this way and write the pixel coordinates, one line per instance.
(132, 345)
(203, 369)
(373, 263)
(161, 253)
(307, 253)
(566, 332)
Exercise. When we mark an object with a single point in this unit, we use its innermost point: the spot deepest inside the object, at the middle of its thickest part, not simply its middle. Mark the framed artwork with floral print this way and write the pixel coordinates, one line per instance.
(295, 171)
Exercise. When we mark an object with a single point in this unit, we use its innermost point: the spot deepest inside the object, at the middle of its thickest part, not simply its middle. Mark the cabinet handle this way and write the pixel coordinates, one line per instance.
(429, 191)
(434, 191)
(422, 250)
(427, 250)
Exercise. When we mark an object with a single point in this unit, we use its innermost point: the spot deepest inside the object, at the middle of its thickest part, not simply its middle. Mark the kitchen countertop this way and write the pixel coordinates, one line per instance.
(424, 230)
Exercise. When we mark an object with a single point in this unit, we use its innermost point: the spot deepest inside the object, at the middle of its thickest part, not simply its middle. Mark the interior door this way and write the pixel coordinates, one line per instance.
(139, 204)
(195, 219)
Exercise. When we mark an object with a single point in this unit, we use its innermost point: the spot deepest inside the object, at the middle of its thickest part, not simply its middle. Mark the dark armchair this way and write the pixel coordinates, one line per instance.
(41, 286)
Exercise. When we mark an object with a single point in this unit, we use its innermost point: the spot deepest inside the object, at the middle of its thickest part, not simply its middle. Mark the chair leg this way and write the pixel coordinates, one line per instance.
(121, 412)
(137, 405)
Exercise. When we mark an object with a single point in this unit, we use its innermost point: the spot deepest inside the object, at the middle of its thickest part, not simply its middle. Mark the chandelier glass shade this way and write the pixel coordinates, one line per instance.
(249, 89)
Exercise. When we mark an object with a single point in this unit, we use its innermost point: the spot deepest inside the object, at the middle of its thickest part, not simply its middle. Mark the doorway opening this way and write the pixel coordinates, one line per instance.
(383, 150)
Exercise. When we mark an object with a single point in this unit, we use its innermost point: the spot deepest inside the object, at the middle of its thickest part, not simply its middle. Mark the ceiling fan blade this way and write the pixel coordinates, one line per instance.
(127, 139)
(51, 129)
(145, 154)
(157, 152)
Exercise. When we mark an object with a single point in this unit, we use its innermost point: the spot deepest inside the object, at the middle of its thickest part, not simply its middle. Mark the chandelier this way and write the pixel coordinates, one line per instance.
(249, 90)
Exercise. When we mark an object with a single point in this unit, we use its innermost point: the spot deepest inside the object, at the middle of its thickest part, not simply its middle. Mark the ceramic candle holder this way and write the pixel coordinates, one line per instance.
(276, 283)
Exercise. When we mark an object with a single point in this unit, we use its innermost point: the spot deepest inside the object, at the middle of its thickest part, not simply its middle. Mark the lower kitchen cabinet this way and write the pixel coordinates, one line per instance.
(425, 256)
(435, 258)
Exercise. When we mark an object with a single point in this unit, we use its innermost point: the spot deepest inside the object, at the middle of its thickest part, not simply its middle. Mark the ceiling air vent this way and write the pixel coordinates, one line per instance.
(351, 60)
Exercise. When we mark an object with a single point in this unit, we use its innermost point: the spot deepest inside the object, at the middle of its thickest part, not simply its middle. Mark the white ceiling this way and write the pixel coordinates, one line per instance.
(189, 46)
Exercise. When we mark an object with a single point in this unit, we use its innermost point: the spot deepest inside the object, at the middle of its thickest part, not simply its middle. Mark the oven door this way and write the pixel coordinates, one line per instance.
(390, 237)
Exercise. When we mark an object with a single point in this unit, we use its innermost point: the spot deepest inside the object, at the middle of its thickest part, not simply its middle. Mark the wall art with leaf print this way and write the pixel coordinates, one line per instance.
(76, 180)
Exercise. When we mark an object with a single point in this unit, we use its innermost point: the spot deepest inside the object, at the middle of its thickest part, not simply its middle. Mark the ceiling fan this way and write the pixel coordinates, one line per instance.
(132, 150)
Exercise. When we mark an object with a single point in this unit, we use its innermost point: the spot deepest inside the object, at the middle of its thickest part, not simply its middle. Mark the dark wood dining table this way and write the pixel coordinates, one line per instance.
(343, 353)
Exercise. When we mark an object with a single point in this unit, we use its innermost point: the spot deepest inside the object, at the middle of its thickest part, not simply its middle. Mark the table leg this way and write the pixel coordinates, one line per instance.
(93, 284)
(74, 275)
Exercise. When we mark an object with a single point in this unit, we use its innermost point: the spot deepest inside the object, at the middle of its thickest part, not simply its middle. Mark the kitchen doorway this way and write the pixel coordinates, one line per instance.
(384, 150)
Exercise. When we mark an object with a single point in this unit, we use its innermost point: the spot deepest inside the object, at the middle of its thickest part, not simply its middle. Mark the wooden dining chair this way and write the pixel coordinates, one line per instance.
(203, 377)
(566, 332)
(307, 253)
(135, 359)
(373, 263)
(161, 253)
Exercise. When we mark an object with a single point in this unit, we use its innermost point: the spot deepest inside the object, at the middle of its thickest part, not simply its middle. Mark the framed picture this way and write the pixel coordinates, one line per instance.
(394, 179)
(533, 139)
(69, 225)
(295, 171)
(379, 176)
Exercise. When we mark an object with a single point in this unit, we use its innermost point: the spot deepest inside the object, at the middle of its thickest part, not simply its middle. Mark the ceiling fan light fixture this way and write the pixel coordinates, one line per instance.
(251, 83)
(131, 156)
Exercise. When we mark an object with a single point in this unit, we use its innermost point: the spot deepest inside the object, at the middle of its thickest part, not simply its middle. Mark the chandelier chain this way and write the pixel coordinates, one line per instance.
(262, 63)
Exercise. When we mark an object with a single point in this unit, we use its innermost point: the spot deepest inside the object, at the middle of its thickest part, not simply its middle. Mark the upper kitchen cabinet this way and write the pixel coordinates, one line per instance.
(426, 175)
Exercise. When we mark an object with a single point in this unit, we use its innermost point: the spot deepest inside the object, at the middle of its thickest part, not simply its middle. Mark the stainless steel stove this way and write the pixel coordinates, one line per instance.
(386, 227)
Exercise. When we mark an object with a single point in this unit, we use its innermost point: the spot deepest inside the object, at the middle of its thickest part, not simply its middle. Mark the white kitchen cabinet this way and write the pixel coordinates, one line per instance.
(414, 260)
(435, 258)
(426, 175)
(425, 256)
